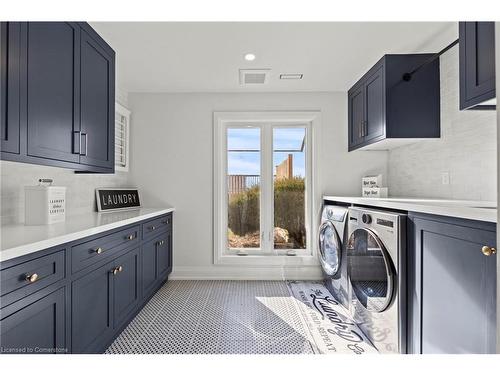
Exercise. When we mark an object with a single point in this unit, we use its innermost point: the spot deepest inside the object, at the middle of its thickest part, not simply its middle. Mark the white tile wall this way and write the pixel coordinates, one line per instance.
(466, 149)
(80, 188)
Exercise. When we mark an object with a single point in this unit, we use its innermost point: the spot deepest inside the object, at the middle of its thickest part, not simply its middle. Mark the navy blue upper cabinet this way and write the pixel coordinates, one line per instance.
(10, 36)
(97, 101)
(477, 65)
(52, 82)
(385, 109)
(452, 286)
(58, 99)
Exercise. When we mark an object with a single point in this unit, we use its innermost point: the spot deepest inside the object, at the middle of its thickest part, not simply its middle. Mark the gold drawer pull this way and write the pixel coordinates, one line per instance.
(161, 242)
(152, 227)
(130, 237)
(117, 269)
(486, 250)
(166, 221)
(98, 250)
(32, 278)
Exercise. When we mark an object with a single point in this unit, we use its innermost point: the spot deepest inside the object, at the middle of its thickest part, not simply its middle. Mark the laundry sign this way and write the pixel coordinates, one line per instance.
(113, 199)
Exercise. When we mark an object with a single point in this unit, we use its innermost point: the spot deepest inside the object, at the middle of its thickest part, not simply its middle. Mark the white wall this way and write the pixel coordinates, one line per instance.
(467, 150)
(171, 161)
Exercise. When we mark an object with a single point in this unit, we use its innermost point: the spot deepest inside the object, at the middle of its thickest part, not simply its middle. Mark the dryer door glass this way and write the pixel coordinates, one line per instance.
(370, 270)
(329, 248)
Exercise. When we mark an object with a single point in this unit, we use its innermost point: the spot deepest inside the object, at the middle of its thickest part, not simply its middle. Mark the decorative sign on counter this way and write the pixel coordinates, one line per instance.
(117, 199)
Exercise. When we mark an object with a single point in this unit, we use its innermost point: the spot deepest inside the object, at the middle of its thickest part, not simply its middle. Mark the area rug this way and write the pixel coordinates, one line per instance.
(329, 323)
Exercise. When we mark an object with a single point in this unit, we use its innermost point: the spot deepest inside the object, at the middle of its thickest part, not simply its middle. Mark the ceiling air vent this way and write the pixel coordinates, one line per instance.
(254, 76)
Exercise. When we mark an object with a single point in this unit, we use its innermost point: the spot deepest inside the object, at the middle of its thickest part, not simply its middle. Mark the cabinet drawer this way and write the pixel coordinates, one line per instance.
(91, 252)
(153, 227)
(26, 278)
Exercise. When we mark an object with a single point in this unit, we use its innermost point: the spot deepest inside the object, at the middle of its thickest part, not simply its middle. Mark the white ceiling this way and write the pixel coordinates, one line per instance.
(206, 57)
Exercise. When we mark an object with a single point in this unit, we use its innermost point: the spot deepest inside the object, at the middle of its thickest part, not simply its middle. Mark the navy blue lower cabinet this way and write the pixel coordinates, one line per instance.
(92, 310)
(452, 285)
(149, 266)
(79, 296)
(126, 286)
(165, 255)
(35, 326)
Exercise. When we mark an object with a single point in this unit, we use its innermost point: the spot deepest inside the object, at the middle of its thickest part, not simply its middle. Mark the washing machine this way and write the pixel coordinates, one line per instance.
(376, 265)
(332, 235)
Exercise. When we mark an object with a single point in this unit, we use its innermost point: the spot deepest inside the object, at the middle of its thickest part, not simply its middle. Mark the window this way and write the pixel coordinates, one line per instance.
(263, 186)
(122, 128)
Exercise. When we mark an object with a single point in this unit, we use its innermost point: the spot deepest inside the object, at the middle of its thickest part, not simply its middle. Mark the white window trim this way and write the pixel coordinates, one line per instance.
(223, 120)
(126, 113)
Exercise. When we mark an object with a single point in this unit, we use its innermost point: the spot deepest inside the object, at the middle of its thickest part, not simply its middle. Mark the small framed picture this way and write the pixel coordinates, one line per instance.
(117, 199)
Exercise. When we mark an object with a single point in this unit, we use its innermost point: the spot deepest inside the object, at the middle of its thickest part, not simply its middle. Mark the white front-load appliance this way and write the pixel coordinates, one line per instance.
(332, 235)
(376, 265)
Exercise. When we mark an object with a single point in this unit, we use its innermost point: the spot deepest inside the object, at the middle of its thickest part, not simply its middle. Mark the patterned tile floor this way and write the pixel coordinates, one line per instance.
(217, 317)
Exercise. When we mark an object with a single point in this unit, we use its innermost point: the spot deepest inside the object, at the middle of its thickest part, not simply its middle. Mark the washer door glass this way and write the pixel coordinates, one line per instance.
(329, 248)
(370, 270)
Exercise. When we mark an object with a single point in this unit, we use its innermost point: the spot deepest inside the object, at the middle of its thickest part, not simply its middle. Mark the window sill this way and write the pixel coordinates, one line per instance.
(267, 260)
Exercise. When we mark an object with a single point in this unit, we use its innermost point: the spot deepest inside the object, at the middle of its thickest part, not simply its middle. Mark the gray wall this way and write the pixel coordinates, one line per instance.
(171, 161)
(467, 150)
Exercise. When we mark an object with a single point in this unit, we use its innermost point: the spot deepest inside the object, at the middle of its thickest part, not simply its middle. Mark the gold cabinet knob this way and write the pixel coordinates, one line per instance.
(153, 227)
(32, 278)
(117, 269)
(120, 269)
(130, 237)
(98, 250)
(486, 250)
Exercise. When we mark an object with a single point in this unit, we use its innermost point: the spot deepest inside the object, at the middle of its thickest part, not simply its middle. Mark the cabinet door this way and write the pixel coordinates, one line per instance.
(149, 268)
(92, 310)
(36, 327)
(10, 38)
(164, 248)
(52, 82)
(477, 63)
(125, 287)
(356, 116)
(97, 104)
(453, 297)
(374, 125)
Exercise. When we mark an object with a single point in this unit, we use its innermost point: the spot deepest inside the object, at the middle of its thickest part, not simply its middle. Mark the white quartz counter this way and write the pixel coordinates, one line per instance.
(473, 210)
(19, 239)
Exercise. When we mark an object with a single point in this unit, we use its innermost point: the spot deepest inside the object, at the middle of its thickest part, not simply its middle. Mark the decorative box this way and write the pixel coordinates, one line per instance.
(44, 203)
(372, 181)
(374, 192)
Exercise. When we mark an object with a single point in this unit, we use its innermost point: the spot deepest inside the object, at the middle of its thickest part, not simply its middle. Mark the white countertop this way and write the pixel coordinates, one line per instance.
(473, 210)
(19, 239)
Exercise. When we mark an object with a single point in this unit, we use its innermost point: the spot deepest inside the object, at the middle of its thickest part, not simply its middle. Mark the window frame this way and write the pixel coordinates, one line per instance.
(266, 255)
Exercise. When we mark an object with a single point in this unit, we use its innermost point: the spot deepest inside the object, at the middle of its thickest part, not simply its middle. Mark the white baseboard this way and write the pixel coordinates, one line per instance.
(246, 273)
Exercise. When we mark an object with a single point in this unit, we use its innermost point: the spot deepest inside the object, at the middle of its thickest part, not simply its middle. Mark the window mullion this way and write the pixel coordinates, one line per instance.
(266, 189)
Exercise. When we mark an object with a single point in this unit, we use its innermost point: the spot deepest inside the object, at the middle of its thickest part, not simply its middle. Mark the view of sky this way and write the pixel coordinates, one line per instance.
(248, 163)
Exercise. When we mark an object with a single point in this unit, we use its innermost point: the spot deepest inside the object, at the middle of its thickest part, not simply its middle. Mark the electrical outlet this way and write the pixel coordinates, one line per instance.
(445, 178)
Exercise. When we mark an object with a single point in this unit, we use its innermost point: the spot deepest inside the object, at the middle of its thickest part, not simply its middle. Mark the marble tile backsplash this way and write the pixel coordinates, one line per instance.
(80, 188)
(467, 150)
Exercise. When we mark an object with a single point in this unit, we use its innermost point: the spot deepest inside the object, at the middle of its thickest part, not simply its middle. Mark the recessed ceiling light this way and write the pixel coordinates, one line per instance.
(291, 76)
(249, 57)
